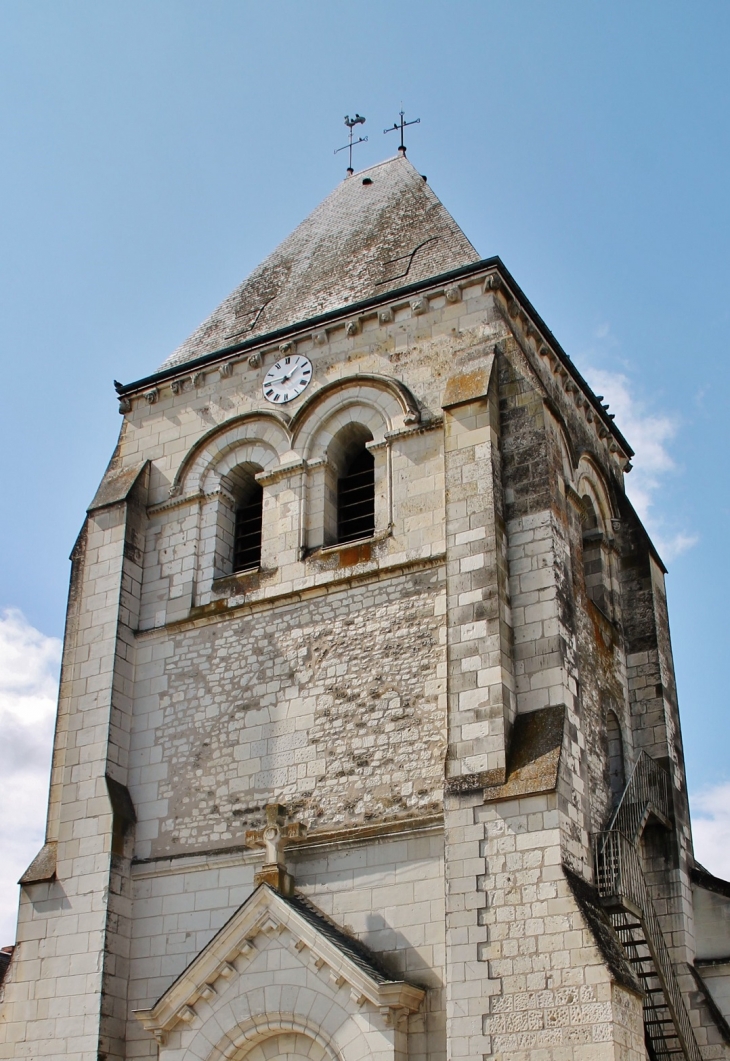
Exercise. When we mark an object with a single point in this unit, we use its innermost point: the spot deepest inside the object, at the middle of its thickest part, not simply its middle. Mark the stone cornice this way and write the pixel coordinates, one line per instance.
(190, 499)
(175, 502)
(282, 471)
(412, 429)
(314, 326)
(563, 374)
(316, 840)
(519, 313)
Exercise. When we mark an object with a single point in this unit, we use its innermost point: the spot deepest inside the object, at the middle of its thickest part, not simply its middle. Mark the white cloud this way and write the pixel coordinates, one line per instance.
(649, 435)
(711, 828)
(29, 666)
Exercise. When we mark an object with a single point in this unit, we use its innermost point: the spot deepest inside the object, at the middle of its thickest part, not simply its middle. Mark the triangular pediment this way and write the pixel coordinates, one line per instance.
(304, 931)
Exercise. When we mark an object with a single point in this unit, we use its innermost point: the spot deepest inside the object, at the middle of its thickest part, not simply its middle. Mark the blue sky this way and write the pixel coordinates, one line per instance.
(154, 152)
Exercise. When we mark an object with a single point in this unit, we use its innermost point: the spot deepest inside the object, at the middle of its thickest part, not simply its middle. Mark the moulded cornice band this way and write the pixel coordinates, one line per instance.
(273, 475)
(499, 280)
(186, 368)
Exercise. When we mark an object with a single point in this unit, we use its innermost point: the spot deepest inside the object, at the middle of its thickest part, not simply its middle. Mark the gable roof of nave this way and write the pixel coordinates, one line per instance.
(376, 231)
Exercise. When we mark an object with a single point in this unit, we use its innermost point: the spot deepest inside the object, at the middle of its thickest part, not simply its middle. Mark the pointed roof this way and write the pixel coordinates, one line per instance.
(379, 229)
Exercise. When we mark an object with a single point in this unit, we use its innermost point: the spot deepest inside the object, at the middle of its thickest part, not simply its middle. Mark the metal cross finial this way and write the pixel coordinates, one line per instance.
(351, 123)
(402, 124)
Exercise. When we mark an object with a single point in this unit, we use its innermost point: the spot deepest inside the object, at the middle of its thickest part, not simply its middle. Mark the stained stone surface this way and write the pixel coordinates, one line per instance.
(294, 710)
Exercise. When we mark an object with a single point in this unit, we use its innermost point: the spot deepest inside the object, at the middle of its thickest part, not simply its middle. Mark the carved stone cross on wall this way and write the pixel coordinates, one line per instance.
(274, 837)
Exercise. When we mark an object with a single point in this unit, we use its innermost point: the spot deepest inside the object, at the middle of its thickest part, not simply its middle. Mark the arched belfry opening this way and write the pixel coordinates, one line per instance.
(356, 498)
(248, 497)
(352, 482)
(593, 559)
(616, 758)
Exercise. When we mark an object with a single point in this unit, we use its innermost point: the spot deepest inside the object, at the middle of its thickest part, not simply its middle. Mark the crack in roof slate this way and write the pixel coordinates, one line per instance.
(401, 257)
(336, 255)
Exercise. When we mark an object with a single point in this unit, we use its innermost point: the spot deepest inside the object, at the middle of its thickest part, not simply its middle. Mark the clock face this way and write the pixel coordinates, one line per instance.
(287, 379)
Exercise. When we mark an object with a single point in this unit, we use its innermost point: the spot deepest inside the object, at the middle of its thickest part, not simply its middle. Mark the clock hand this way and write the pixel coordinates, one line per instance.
(287, 375)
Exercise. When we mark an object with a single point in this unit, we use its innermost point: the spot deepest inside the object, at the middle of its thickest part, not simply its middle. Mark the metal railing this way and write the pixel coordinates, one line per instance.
(620, 879)
(647, 791)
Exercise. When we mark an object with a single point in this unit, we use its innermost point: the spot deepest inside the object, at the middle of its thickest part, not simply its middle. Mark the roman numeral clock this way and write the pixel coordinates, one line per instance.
(287, 379)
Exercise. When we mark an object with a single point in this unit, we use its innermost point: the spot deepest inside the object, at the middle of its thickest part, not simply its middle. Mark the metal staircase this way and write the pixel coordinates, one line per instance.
(625, 895)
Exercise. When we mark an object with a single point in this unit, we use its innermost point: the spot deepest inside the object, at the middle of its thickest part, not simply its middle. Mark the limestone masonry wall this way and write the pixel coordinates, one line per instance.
(332, 706)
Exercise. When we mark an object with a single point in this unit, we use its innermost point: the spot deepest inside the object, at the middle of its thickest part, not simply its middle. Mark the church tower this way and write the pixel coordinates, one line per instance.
(368, 743)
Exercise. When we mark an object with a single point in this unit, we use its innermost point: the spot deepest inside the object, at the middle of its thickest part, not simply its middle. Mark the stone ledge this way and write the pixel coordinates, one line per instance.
(43, 866)
(239, 854)
(534, 755)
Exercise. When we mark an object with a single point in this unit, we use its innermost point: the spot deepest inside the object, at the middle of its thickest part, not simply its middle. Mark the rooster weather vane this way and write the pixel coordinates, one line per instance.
(359, 119)
(351, 123)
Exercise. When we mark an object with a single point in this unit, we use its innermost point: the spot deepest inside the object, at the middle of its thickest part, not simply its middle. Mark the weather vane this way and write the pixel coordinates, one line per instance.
(351, 123)
(402, 124)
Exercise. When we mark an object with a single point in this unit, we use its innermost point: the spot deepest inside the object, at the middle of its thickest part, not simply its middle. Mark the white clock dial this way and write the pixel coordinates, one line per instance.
(287, 379)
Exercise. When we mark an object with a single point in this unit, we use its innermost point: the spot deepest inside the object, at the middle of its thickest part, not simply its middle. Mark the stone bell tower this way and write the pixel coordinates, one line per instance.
(368, 742)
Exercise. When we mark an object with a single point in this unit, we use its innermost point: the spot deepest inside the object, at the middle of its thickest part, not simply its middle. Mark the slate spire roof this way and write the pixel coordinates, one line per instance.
(380, 229)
